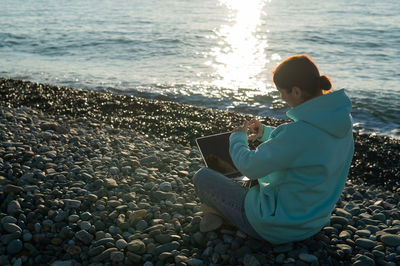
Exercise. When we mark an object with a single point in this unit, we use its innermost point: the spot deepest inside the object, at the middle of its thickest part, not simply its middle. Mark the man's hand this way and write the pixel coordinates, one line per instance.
(256, 129)
(243, 128)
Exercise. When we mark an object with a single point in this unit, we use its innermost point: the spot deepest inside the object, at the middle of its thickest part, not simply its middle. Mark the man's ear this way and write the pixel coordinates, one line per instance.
(297, 92)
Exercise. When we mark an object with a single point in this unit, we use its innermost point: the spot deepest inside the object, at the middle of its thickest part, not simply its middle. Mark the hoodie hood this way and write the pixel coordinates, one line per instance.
(329, 112)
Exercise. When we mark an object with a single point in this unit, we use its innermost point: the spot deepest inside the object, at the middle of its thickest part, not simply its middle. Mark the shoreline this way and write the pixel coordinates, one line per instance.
(375, 159)
(89, 178)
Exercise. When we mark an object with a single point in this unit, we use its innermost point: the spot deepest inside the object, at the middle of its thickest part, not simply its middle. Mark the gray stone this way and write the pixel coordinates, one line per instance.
(365, 243)
(104, 255)
(12, 228)
(364, 261)
(163, 238)
(73, 218)
(161, 195)
(85, 216)
(121, 244)
(61, 216)
(283, 248)
(391, 240)
(72, 204)
(117, 256)
(165, 255)
(27, 236)
(165, 186)
(114, 170)
(94, 251)
(84, 236)
(363, 233)
(85, 225)
(194, 262)
(6, 238)
(9, 219)
(346, 248)
(339, 220)
(110, 183)
(141, 225)
(308, 258)
(343, 213)
(210, 222)
(63, 263)
(48, 223)
(14, 247)
(280, 258)
(168, 247)
(13, 207)
(250, 260)
(136, 246)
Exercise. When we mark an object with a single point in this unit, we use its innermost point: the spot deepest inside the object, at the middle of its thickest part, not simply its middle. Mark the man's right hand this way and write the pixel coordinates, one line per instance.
(256, 129)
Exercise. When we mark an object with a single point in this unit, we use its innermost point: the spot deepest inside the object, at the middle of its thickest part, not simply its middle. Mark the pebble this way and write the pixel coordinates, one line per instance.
(391, 240)
(63, 263)
(12, 228)
(365, 243)
(84, 236)
(308, 258)
(210, 222)
(250, 260)
(165, 186)
(117, 256)
(72, 204)
(121, 244)
(73, 218)
(136, 246)
(14, 247)
(13, 207)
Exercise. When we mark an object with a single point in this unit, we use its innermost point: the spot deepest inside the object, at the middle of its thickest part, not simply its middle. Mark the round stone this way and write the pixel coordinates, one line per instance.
(84, 236)
(210, 222)
(85, 225)
(73, 218)
(141, 225)
(9, 219)
(308, 258)
(13, 207)
(12, 228)
(136, 246)
(86, 216)
(165, 186)
(391, 240)
(14, 246)
(121, 244)
(365, 243)
(363, 233)
(339, 220)
(117, 256)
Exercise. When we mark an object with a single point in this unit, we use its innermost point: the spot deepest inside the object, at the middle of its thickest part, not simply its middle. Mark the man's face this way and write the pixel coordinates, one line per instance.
(289, 97)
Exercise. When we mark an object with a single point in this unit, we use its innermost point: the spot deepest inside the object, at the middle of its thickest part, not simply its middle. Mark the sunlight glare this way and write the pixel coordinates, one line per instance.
(240, 59)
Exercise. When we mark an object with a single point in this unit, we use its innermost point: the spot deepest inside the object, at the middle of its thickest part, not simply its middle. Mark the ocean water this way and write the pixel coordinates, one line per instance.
(211, 53)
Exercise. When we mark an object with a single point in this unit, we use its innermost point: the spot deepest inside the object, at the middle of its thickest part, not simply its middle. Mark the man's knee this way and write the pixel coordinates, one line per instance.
(199, 175)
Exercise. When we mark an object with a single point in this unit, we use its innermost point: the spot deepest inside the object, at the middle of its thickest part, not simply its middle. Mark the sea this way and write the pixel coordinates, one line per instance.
(209, 53)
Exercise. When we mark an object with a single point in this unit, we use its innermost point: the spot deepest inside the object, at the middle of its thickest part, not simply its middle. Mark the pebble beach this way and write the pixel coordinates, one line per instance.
(92, 178)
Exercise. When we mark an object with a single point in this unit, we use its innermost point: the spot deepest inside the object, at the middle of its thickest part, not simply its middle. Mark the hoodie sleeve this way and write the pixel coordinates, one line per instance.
(267, 133)
(278, 153)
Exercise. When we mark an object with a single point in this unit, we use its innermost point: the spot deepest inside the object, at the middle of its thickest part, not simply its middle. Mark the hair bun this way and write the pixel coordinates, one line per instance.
(325, 83)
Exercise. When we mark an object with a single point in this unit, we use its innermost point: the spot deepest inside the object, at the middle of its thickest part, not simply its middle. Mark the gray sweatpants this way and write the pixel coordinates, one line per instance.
(224, 195)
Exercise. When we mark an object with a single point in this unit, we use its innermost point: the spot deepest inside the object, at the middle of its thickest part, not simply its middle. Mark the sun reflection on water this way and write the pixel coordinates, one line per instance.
(240, 59)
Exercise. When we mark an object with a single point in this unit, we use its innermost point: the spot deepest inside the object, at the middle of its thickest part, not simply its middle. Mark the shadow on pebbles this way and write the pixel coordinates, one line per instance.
(77, 190)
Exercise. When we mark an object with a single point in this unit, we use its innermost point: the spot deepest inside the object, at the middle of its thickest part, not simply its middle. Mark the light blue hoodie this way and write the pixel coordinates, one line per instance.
(301, 168)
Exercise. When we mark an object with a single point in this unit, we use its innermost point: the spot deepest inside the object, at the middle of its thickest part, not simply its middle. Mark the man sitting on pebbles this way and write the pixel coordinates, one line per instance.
(301, 167)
